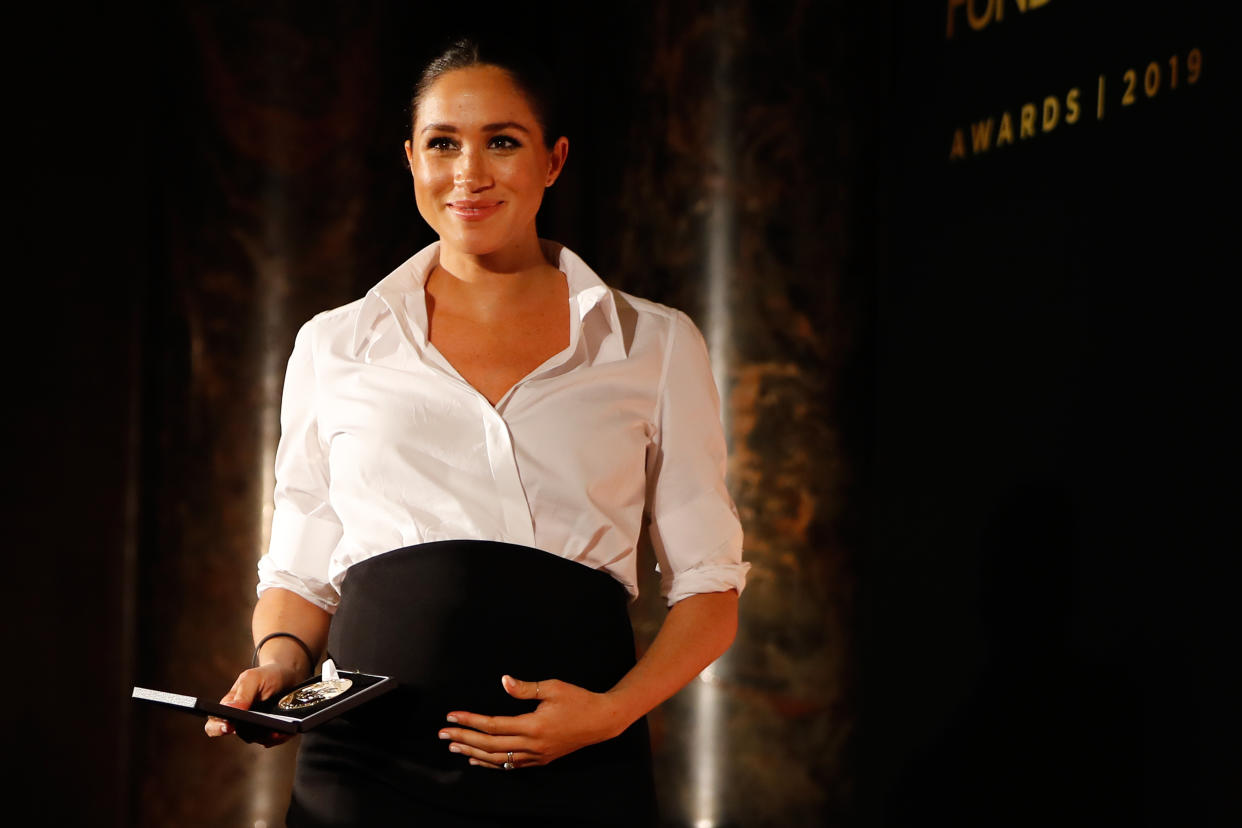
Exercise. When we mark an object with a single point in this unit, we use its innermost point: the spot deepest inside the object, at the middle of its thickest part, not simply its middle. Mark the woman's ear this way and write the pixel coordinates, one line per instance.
(556, 159)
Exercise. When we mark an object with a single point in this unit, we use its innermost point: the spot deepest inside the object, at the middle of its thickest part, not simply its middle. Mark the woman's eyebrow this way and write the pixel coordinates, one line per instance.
(496, 127)
(505, 125)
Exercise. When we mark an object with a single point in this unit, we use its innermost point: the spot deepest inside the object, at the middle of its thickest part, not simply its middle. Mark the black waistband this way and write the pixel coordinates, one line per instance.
(437, 614)
(447, 620)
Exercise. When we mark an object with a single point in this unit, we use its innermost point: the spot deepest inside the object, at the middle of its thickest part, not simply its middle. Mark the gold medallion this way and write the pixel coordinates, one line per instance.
(313, 694)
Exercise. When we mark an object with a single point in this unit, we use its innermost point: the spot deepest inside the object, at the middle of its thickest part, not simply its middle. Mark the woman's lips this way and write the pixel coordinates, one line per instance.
(474, 210)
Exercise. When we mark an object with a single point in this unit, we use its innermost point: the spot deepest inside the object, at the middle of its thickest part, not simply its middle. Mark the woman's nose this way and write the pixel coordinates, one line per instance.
(472, 171)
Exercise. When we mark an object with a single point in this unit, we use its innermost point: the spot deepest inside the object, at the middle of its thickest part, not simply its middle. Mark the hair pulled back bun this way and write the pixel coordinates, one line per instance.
(525, 69)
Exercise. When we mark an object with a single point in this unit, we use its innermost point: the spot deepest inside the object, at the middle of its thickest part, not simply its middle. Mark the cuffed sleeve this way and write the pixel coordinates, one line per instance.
(694, 527)
(305, 529)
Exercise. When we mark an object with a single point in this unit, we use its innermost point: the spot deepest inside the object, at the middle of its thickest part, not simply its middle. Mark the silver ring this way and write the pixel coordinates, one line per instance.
(509, 764)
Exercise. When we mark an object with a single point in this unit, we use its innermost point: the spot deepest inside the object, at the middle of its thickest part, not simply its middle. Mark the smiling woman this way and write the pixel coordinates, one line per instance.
(480, 166)
(468, 456)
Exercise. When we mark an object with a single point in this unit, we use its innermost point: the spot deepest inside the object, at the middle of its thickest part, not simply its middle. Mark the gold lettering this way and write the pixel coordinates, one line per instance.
(977, 22)
(1151, 79)
(1052, 114)
(1132, 79)
(958, 149)
(1004, 135)
(1045, 115)
(1027, 128)
(980, 136)
(1071, 106)
(1024, 6)
(993, 12)
(953, 6)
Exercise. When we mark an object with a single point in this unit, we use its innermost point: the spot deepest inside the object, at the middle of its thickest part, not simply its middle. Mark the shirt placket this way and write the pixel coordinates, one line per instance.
(501, 457)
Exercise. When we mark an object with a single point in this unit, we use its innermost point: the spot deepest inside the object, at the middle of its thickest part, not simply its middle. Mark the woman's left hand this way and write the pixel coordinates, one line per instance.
(568, 718)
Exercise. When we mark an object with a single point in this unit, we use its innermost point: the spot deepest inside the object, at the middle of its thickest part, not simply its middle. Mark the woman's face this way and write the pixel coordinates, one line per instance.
(479, 161)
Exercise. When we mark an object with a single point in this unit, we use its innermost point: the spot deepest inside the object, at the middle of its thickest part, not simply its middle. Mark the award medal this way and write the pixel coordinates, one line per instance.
(315, 693)
(330, 686)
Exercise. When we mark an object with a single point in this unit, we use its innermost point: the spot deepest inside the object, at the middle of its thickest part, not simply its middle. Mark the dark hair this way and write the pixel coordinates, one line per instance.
(525, 69)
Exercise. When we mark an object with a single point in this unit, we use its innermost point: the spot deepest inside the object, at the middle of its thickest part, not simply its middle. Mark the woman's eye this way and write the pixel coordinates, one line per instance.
(504, 142)
(441, 144)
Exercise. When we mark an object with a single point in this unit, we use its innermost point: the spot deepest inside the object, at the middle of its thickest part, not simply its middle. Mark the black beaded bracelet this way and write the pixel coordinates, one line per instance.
(310, 658)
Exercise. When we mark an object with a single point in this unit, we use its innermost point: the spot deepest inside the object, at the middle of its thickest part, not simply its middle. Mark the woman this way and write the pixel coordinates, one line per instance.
(467, 457)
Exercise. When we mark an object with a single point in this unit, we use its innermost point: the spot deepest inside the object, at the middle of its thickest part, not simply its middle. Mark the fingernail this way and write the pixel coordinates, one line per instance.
(450, 717)
(444, 734)
(454, 749)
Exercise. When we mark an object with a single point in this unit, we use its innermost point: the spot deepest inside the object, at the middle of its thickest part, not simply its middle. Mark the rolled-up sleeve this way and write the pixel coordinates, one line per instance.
(305, 529)
(694, 527)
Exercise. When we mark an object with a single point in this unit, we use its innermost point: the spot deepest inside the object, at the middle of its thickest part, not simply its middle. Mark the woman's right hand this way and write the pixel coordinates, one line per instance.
(256, 684)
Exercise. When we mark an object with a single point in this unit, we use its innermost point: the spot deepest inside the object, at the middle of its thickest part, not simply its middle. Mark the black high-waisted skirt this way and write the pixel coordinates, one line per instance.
(447, 620)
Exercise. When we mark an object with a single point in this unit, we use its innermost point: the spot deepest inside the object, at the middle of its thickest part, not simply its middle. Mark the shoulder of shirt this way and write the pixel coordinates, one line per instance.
(644, 306)
(585, 277)
(346, 316)
(334, 326)
(661, 316)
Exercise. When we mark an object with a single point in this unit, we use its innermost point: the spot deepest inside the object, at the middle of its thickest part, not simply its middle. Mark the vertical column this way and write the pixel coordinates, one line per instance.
(265, 170)
(748, 203)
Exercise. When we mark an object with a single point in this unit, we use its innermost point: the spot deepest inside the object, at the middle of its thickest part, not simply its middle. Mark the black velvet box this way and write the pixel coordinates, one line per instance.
(266, 714)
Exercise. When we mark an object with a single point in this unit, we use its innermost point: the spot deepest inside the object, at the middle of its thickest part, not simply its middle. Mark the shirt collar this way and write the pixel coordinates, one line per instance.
(400, 294)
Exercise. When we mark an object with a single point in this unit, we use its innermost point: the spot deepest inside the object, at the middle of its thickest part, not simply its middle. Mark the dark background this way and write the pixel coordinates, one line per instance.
(1056, 364)
(980, 409)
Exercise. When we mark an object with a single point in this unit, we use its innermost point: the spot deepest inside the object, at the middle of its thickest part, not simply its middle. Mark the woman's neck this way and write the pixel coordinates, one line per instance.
(488, 287)
(503, 264)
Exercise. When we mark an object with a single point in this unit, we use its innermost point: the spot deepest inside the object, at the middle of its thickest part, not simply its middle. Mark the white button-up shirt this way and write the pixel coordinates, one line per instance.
(384, 445)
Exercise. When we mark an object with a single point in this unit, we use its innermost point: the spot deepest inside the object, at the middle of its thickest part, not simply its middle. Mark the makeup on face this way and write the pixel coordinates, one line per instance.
(478, 161)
